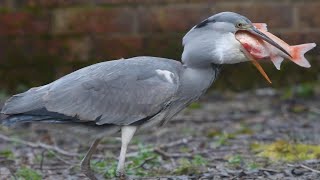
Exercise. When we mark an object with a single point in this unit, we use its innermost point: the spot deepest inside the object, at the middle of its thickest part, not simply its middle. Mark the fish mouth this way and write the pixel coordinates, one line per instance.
(259, 34)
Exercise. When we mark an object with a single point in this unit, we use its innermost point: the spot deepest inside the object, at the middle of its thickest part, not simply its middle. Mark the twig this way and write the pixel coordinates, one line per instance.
(63, 160)
(309, 168)
(292, 165)
(314, 110)
(305, 167)
(162, 153)
(144, 162)
(42, 159)
(171, 155)
(174, 143)
(38, 145)
(44, 146)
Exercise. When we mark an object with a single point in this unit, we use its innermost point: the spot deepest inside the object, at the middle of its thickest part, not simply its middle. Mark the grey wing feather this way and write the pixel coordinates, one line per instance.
(117, 92)
(27, 101)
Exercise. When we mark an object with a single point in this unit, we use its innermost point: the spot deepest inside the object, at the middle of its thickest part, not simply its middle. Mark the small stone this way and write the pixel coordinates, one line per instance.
(298, 171)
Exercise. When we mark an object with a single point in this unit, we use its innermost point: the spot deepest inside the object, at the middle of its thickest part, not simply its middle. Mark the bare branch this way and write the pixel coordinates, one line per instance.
(163, 146)
(144, 162)
(172, 155)
(43, 146)
(310, 169)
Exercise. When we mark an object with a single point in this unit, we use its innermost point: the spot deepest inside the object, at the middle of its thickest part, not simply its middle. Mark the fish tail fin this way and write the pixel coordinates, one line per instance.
(298, 52)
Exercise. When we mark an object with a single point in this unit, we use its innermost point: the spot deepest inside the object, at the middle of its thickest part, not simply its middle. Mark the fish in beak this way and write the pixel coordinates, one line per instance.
(257, 65)
(253, 30)
(258, 43)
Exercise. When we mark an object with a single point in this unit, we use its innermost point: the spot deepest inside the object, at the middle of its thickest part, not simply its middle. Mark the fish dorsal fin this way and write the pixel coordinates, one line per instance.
(261, 26)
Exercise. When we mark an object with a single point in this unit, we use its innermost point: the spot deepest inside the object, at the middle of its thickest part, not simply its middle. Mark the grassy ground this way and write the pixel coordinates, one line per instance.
(262, 134)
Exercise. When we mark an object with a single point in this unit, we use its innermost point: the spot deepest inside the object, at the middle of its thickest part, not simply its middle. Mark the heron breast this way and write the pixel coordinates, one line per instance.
(227, 50)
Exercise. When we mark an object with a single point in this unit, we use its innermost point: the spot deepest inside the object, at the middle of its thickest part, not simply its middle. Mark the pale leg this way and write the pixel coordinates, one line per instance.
(126, 135)
(85, 163)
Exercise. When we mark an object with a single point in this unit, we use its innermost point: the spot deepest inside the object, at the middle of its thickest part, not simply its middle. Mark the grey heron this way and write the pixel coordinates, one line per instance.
(129, 94)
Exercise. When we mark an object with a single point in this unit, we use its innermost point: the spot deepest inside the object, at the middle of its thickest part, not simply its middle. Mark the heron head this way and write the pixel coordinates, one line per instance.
(213, 40)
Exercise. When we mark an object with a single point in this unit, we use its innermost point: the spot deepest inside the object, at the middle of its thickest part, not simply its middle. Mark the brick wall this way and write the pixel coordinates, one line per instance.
(41, 40)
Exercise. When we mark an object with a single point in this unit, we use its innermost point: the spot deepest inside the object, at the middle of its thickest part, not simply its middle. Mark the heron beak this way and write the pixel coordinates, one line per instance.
(258, 33)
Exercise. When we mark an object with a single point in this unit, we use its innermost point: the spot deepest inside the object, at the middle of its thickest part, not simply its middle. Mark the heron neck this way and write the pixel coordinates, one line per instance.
(195, 80)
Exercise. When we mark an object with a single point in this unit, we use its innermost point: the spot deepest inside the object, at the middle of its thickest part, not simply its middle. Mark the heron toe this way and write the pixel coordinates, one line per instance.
(89, 173)
(121, 175)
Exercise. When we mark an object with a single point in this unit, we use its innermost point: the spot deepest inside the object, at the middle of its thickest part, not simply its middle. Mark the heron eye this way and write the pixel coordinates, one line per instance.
(239, 25)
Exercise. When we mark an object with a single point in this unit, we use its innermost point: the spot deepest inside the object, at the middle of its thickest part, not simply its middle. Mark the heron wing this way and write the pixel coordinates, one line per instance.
(117, 92)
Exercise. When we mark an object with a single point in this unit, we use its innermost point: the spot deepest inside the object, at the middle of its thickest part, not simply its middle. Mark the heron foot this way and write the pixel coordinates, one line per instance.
(121, 175)
(85, 163)
(86, 170)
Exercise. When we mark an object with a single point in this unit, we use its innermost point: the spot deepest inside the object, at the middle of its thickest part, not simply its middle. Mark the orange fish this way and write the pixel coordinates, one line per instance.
(260, 49)
(256, 48)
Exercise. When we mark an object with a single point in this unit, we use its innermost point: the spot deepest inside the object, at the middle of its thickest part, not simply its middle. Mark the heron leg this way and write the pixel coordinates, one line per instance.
(85, 163)
(127, 133)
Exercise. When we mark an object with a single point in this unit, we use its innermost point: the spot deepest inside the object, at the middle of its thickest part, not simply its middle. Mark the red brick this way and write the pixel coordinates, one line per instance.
(23, 49)
(49, 3)
(23, 23)
(3, 3)
(65, 3)
(168, 46)
(33, 49)
(309, 15)
(93, 20)
(72, 49)
(151, 2)
(170, 18)
(33, 61)
(26, 61)
(107, 48)
(6, 4)
(274, 14)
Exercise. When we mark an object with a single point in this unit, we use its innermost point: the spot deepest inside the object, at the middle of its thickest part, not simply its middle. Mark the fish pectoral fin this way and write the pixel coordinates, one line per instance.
(276, 60)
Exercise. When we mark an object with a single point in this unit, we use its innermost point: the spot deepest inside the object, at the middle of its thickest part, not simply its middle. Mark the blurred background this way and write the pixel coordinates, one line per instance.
(42, 40)
(244, 129)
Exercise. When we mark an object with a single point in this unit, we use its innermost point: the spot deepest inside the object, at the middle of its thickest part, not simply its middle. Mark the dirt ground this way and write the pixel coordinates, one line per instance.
(221, 137)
